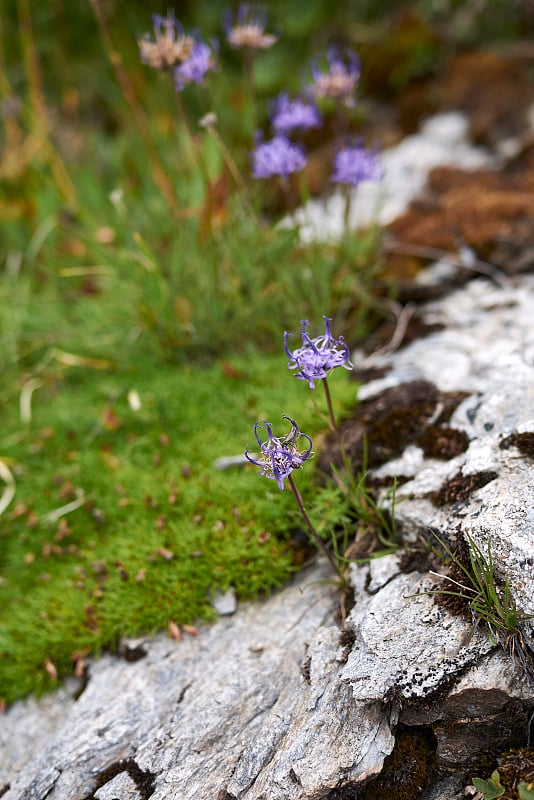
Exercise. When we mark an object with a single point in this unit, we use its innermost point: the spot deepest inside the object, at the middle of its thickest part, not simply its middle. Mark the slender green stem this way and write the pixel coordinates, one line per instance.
(328, 396)
(228, 159)
(314, 535)
(348, 191)
(199, 159)
(232, 168)
(248, 66)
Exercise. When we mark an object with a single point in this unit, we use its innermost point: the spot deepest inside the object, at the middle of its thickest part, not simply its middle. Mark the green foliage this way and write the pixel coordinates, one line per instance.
(489, 602)
(365, 528)
(375, 520)
(347, 514)
(526, 791)
(491, 788)
(121, 521)
(369, 523)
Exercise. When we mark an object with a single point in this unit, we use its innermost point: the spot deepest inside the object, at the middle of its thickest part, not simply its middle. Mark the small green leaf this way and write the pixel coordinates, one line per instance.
(490, 789)
(526, 791)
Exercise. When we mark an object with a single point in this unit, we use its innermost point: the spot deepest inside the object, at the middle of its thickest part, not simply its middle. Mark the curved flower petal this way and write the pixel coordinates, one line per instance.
(316, 357)
(280, 456)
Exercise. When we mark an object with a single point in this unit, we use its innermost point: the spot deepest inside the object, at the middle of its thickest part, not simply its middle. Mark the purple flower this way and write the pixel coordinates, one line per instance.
(341, 77)
(249, 28)
(194, 69)
(288, 115)
(278, 156)
(280, 456)
(354, 164)
(317, 356)
(170, 46)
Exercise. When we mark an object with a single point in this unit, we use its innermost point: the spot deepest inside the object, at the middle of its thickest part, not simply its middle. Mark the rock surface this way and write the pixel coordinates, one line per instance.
(485, 347)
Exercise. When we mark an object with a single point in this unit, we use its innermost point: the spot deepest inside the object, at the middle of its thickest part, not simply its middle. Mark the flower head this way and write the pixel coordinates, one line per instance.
(278, 156)
(354, 164)
(280, 456)
(340, 79)
(288, 115)
(194, 69)
(170, 46)
(248, 31)
(317, 356)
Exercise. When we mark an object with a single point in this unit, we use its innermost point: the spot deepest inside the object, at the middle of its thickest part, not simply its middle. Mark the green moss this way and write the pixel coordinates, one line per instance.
(156, 526)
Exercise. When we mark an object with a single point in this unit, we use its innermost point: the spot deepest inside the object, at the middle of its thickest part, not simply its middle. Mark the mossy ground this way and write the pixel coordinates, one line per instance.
(158, 526)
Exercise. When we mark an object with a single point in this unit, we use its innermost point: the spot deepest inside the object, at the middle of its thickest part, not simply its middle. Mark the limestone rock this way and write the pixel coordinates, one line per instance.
(485, 346)
(121, 787)
(226, 714)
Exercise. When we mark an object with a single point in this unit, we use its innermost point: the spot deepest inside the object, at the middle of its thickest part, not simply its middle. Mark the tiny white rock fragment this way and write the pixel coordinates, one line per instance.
(224, 603)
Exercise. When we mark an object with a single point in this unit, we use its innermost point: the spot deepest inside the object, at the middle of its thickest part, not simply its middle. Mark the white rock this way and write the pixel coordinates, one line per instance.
(224, 603)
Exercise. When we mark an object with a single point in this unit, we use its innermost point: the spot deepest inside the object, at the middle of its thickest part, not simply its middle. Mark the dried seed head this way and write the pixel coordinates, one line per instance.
(248, 31)
(170, 46)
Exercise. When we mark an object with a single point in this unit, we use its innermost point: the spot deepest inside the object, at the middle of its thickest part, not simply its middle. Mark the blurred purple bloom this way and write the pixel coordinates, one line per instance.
(170, 46)
(194, 69)
(248, 30)
(354, 164)
(317, 356)
(278, 156)
(288, 115)
(341, 77)
(280, 456)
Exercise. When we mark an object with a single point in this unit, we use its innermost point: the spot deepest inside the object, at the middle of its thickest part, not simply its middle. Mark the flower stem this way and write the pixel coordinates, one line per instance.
(347, 209)
(227, 158)
(199, 160)
(314, 535)
(248, 66)
(333, 424)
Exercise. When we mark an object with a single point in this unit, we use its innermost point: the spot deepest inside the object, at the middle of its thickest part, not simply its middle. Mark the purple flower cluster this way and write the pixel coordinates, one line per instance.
(336, 79)
(299, 114)
(354, 164)
(316, 357)
(189, 58)
(280, 456)
(278, 156)
(193, 70)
